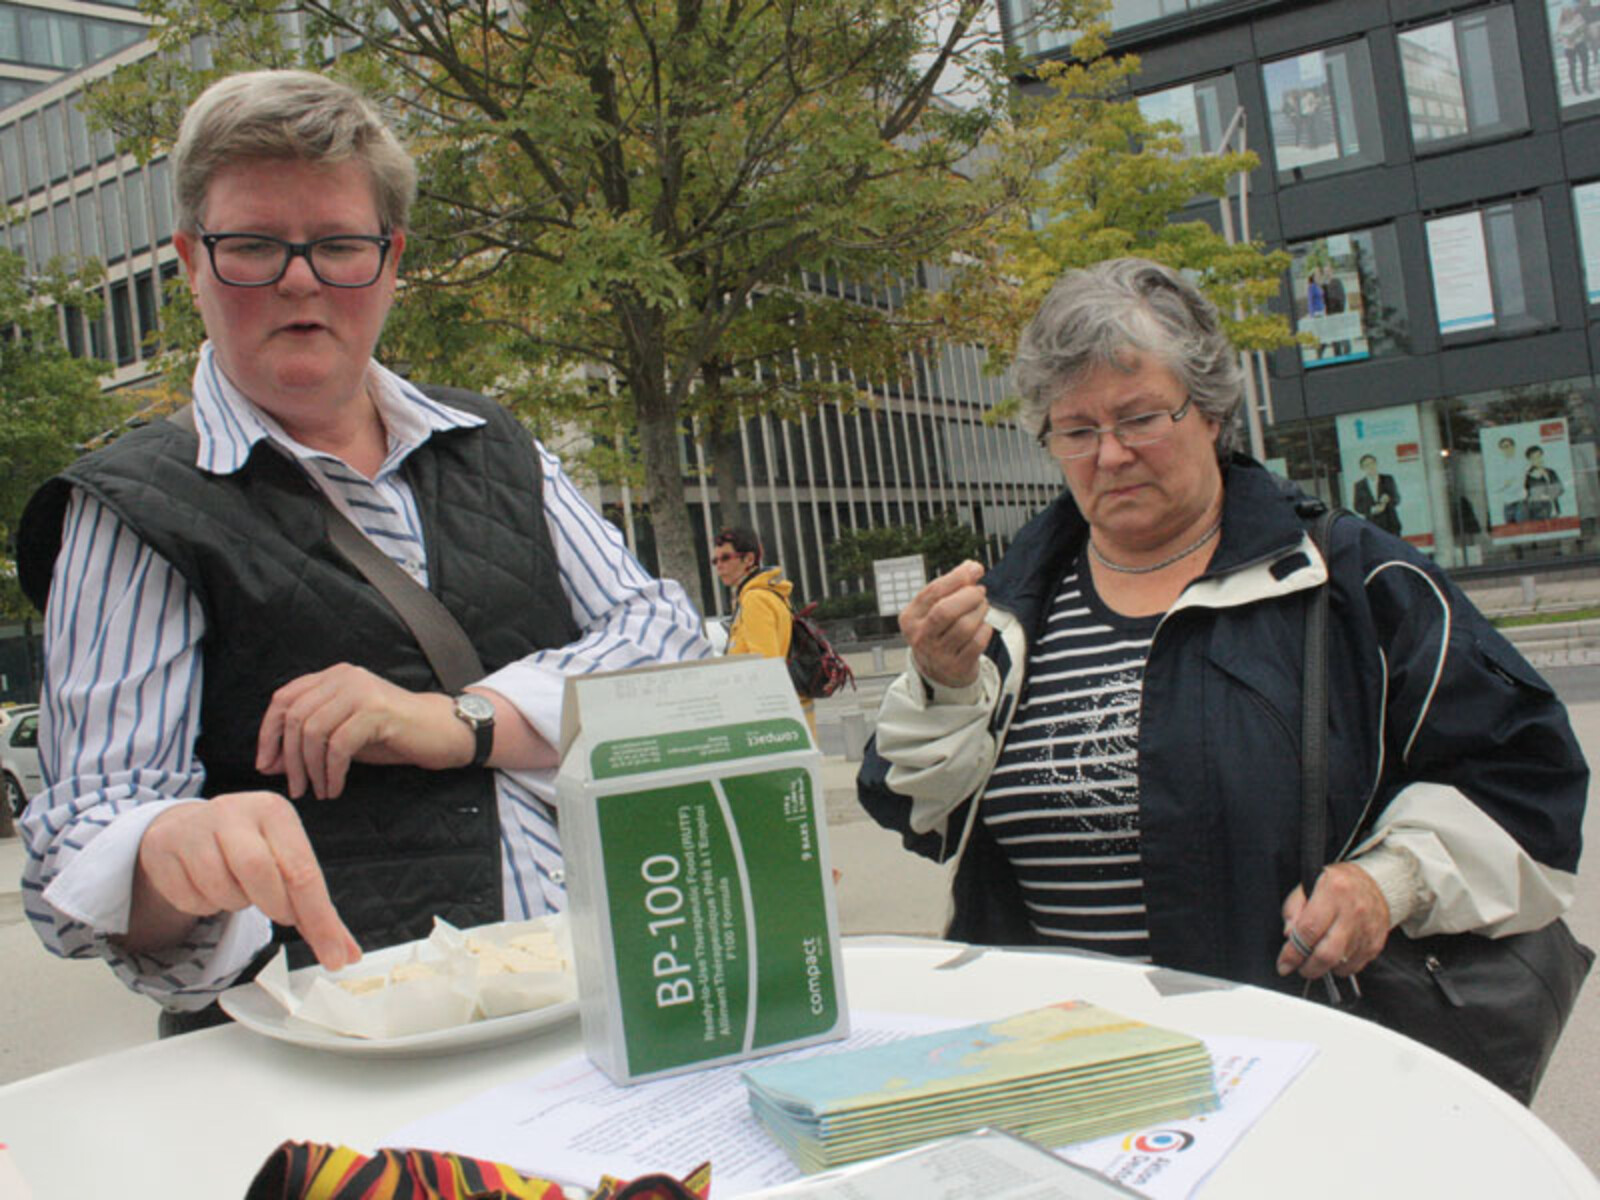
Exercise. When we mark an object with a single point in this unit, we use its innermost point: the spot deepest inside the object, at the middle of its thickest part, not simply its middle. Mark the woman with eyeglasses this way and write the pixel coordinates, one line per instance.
(209, 636)
(1102, 733)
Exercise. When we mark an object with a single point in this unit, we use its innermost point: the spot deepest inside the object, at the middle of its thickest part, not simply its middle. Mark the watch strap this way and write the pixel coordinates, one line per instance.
(482, 733)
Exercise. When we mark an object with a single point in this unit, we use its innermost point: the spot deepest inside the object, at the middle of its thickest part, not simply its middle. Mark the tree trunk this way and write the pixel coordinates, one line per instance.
(659, 441)
(727, 464)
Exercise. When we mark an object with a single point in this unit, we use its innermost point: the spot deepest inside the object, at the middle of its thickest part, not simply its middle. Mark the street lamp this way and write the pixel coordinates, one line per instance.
(1257, 395)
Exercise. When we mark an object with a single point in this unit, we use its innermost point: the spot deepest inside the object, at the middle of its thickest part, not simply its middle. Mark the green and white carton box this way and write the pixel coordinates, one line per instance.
(694, 833)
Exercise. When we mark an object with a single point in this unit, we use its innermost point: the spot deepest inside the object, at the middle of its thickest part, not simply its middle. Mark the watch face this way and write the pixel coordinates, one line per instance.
(475, 708)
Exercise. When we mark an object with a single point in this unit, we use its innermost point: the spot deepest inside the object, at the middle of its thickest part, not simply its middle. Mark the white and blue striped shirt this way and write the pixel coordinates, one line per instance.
(122, 690)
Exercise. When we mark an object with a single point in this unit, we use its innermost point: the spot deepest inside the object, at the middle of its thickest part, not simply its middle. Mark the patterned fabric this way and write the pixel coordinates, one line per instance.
(315, 1171)
(1063, 800)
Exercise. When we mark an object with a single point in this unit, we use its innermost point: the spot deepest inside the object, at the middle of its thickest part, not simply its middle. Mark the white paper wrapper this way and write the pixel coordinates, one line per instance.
(451, 978)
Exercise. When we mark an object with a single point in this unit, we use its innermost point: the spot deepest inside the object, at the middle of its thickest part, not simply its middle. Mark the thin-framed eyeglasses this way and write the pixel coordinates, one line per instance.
(722, 558)
(343, 260)
(1139, 429)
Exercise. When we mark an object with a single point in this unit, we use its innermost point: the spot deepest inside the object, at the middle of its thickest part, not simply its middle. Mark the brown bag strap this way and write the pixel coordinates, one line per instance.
(445, 644)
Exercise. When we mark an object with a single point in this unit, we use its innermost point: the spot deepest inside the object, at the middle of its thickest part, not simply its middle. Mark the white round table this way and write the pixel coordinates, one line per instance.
(1374, 1115)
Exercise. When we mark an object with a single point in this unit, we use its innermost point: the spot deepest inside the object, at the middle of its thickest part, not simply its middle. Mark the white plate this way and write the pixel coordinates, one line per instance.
(254, 1009)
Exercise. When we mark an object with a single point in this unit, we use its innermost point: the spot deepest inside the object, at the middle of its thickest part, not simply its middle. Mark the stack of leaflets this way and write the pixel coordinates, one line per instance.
(988, 1163)
(1057, 1075)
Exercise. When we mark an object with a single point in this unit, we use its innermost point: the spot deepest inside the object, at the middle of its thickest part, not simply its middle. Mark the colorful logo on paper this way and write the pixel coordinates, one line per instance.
(1159, 1141)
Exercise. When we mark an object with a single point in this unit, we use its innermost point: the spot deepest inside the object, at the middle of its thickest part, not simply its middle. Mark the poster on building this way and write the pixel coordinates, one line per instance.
(1328, 303)
(1380, 455)
(1575, 47)
(1301, 103)
(1586, 208)
(1460, 273)
(1529, 480)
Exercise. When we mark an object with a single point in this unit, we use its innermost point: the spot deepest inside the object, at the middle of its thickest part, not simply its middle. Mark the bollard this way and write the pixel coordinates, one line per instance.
(1530, 591)
(854, 727)
(878, 665)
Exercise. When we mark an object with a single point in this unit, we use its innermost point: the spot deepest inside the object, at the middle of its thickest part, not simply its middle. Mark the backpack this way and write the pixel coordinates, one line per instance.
(815, 668)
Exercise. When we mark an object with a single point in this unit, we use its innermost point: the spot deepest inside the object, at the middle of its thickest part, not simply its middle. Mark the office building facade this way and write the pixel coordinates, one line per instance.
(1433, 169)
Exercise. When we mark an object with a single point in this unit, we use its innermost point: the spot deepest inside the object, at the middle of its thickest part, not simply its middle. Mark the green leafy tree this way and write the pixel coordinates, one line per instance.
(1105, 181)
(642, 190)
(51, 403)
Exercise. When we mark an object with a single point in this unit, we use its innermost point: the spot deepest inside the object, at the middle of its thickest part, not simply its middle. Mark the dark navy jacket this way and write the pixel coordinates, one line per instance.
(1422, 688)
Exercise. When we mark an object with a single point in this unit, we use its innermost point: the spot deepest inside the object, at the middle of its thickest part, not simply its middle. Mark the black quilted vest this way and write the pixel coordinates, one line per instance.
(401, 844)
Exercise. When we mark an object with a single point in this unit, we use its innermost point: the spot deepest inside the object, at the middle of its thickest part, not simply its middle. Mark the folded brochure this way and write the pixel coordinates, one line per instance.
(1056, 1075)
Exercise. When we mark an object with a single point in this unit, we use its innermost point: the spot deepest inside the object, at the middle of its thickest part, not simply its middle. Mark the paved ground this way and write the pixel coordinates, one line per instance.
(53, 1012)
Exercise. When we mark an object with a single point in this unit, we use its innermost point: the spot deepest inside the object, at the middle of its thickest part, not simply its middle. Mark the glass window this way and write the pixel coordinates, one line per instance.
(1023, 20)
(12, 90)
(146, 308)
(1463, 79)
(138, 215)
(1347, 293)
(1323, 114)
(66, 235)
(1491, 270)
(111, 209)
(78, 132)
(1586, 208)
(122, 323)
(55, 142)
(1575, 47)
(72, 319)
(107, 37)
(38, 47)
(1136, 12)
(1497, 478)
(1200, 110)
(11, 181)
(89, 244)
(39, 238)
(161, 198)
(97, 335)
(32, 152)
(21, 239)
(10, 34)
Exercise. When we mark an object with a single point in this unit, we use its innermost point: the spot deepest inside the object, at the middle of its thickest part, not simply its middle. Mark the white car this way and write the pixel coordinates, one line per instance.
(19, 756)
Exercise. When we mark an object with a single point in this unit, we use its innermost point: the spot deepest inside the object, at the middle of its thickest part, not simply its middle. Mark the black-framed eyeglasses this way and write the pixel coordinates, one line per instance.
(722, 558)
(344, 260)
(1139, 429)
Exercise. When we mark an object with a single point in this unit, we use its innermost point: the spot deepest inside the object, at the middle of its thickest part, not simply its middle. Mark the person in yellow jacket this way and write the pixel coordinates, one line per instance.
(763, 622)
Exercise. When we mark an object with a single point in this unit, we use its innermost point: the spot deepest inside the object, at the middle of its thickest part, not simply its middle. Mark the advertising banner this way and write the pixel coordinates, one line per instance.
(1460, 273)
(1586, 207)
(1304, 130)
(1380, 455)
(1575, 47)
(1328, 302)
(1528, 476)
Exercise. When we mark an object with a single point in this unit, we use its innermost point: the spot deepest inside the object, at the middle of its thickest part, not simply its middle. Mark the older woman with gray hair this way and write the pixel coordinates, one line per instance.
(1102, 732)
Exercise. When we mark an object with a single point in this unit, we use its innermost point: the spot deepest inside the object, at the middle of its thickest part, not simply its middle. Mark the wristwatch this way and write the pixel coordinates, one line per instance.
(478, 712)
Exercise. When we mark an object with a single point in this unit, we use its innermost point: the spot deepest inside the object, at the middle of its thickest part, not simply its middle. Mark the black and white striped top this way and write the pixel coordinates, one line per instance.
(1063, 801)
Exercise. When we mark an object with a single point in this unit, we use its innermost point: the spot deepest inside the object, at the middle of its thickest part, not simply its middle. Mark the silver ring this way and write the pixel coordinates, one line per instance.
(1299, 943)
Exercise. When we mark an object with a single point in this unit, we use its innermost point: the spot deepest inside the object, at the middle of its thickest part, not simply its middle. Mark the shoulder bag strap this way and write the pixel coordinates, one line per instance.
(1314, 718)
(445, 644)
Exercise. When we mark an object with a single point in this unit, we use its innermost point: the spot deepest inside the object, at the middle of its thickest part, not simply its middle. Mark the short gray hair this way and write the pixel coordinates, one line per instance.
(1095, 316)
(280, 115)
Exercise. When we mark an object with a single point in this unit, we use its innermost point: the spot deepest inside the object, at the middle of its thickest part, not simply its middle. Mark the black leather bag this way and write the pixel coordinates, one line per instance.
(1496, 1005)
